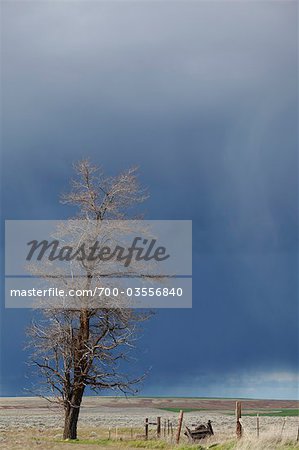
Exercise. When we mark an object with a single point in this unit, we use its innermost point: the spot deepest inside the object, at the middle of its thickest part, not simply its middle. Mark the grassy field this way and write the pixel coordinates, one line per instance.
(163, 445)
(285, 412)
(177, 410)
(33, 440)
(117, 423)
(282, 413)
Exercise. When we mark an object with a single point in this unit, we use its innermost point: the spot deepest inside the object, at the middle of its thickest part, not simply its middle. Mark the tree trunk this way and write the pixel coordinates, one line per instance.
(73, 407)
(71, 422)
(72, 415)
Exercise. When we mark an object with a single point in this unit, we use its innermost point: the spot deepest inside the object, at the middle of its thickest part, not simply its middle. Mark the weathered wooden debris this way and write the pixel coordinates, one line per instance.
(199, 432)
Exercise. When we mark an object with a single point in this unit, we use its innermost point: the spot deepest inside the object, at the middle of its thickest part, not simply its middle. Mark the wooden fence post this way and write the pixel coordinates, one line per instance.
(238, 417)
(158, 427)
(179, 426)
(282, 428)
(146, 429)
(257, 426)
(298, 434)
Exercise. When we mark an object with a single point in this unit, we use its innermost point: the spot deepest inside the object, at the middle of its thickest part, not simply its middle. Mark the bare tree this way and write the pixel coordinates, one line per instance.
(79, 346)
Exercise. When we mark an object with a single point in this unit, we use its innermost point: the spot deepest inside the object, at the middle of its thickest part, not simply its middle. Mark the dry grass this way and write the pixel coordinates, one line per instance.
(28, 424)
(33, 438)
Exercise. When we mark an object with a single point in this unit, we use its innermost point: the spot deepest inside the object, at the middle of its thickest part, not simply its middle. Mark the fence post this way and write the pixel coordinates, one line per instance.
(257, 426)
(282, 428)
(146, 429)
(238, 417)
(158, 427)
(179, 426)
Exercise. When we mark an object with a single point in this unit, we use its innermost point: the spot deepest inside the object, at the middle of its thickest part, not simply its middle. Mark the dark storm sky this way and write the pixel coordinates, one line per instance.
(203, 97)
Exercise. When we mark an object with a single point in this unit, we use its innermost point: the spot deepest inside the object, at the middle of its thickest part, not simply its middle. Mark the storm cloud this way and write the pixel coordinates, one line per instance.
(203, 97)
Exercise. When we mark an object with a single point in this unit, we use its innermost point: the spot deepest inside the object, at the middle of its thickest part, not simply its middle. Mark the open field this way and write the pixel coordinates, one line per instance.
(34, 423)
